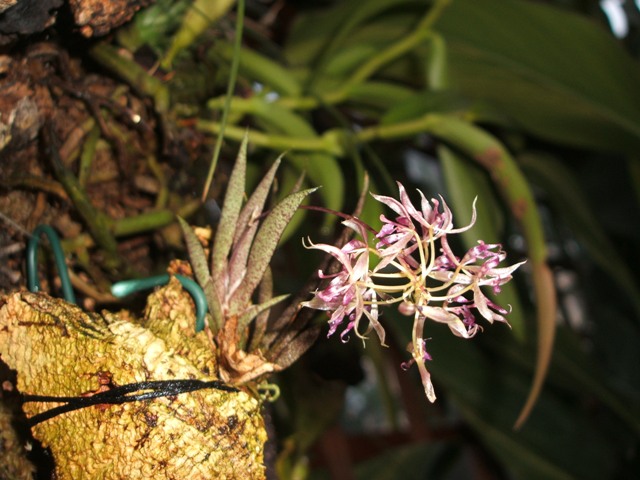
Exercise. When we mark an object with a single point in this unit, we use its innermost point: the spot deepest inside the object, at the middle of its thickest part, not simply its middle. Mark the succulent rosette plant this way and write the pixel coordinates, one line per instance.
(247, 346)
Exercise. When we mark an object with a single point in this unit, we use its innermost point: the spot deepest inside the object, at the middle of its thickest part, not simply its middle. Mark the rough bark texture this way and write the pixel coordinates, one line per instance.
(97, 17)
(57, 349)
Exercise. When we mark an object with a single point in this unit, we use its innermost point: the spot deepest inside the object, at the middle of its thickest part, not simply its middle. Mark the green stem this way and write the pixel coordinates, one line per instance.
(133, 74)
(163, 193)
(275, 142)
(151, 220)
(98, 223)
(227, 102)
(88, 152)
(392, 52)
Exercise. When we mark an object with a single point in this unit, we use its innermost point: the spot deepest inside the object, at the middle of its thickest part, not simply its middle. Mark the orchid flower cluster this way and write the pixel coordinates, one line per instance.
(414, 269)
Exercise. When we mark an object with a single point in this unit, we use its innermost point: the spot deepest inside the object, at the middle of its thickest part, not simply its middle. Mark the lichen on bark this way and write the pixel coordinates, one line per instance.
(58, 349)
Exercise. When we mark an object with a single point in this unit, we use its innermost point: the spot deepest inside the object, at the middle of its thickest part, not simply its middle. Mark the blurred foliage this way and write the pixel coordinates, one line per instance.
(532, 107)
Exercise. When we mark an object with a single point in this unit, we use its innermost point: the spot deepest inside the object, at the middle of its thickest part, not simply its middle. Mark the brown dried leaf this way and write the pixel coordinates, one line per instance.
(237, 366)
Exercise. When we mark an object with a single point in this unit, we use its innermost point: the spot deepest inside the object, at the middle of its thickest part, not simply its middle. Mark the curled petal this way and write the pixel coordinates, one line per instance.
(372, 316)
(418, 353)
(441, 315)
(485, 306)
(393, 204)
(425, 376)
(336, 319)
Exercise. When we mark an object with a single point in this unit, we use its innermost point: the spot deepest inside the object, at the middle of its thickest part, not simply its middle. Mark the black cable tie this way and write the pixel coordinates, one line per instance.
(121, 394)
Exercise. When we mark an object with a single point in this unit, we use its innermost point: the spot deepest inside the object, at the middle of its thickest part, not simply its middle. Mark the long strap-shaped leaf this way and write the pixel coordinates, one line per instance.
(489, 152)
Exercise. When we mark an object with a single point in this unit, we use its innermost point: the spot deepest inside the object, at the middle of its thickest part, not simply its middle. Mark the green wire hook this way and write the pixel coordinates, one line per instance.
(127, 287)
(33, 282)
(118, 289)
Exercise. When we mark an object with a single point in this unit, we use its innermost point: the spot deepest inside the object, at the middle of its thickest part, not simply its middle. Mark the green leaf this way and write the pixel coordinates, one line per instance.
(263, 247)
(198, 261)
(319, 36)
(255, 310)
(382, 95)
(437, 64)
(257, 67)
(321, 168)
(230, 212)
(247, 225)
(558, 75)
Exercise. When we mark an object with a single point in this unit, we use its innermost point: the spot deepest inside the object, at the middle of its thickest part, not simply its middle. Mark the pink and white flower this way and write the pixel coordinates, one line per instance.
(416, 270)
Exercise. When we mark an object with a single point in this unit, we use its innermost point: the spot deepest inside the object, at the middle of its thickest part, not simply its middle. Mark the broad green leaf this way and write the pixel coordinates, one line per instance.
(322, 169)
(291, 181)
(264, 245)
(574, 370)
(558, 75)
(382, 95)
(437, 64)
(365, 42)
(259, 68)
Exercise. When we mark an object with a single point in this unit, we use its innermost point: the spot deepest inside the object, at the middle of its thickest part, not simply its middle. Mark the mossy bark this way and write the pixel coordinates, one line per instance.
(58, 349)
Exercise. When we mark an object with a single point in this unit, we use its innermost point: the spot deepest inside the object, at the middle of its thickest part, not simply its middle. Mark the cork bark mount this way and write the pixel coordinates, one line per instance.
(57, 349)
